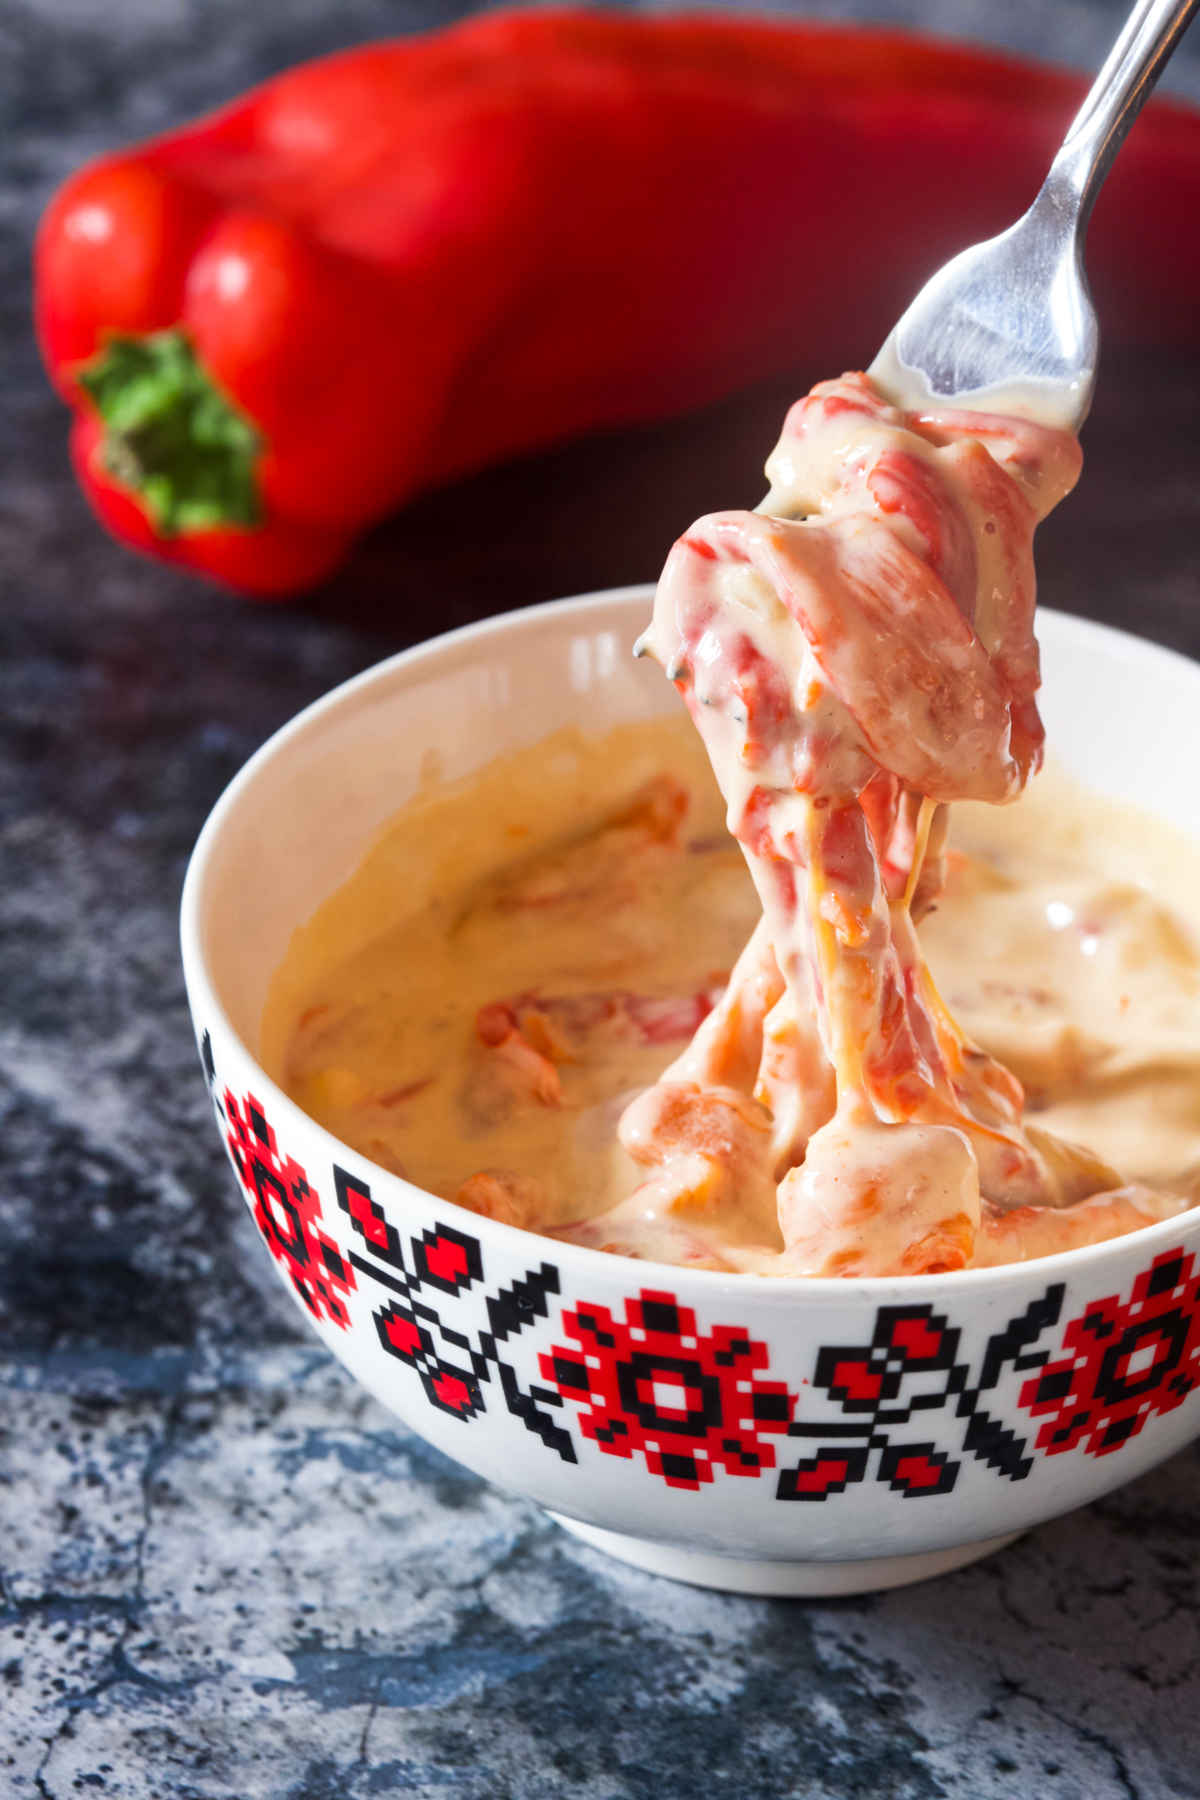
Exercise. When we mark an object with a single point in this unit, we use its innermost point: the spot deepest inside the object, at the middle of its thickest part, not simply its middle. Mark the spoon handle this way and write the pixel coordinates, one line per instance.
(1115, 98)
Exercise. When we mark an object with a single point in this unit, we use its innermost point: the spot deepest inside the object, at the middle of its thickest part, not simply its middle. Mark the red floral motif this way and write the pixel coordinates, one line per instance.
(287, 1211)
(653, 1384)
(1127, 1360)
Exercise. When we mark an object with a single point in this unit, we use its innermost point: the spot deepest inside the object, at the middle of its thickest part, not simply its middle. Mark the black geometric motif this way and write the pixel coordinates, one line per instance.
(701, 1394)
(282, 1216)
(878, 1386)
(1165, 1274)
(511, 1309)
(912, 1365)
(1165, 1338)
(524, 1406)
(830, 1471)
(448, 1258)
(450, 1261)
(911, 1469)
(986, 1439)
(367, 1217)
(450, 1389)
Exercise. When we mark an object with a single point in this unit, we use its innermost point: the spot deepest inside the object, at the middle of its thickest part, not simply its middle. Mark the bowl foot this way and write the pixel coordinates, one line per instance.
(743, 1575)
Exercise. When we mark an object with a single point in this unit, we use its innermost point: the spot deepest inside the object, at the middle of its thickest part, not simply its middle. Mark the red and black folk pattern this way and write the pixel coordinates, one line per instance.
(452, 1365)
(287, 1211)
(1125, 1361)
(912, 1365)
(406, 1332)
(654, 1385)
(688, 1402)
(407, 1327)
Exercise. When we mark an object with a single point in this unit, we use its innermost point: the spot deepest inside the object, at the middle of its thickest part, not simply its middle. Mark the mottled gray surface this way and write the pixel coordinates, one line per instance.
(224, 1572)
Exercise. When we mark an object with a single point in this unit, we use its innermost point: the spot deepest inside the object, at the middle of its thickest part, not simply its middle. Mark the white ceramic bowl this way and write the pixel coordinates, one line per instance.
(804, 1437)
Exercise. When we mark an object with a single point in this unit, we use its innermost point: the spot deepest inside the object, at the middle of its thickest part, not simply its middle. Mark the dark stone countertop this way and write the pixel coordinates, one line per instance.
(224, 1573)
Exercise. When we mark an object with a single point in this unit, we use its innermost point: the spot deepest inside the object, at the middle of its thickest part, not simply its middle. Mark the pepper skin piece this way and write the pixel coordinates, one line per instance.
(405, 261)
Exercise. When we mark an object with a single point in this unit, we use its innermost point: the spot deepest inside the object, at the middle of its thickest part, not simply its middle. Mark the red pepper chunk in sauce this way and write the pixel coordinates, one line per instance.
(855, 654)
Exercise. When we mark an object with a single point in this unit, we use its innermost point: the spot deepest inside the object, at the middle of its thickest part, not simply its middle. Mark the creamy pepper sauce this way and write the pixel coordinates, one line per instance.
(565, 886)
(855, 655)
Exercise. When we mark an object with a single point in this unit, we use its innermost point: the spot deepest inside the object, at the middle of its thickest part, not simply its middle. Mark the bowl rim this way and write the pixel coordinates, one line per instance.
(780, 1288)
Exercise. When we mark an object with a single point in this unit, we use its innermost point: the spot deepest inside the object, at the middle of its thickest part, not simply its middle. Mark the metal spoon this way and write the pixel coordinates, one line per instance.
(1009, 323)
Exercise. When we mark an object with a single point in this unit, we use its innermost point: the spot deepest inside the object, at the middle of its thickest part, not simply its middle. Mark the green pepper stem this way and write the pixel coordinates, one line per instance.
(171, 435)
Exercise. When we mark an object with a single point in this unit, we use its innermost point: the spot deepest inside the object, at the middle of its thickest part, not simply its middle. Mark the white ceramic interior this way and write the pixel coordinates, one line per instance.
(928, 1443)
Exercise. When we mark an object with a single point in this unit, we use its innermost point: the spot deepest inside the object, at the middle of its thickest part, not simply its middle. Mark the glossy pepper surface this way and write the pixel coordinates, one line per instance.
(396, 264)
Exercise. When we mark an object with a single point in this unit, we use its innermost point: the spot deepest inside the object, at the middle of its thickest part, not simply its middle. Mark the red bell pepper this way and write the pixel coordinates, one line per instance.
(396, 264)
